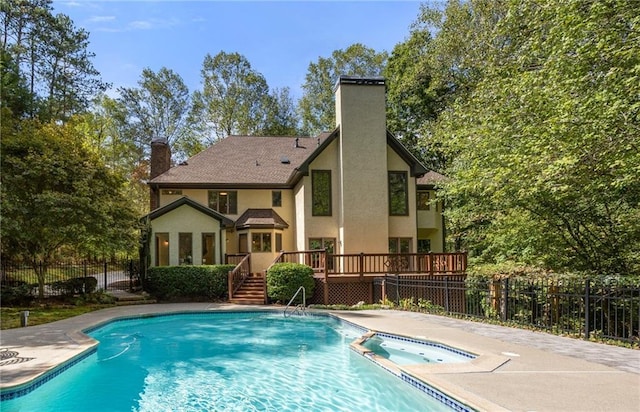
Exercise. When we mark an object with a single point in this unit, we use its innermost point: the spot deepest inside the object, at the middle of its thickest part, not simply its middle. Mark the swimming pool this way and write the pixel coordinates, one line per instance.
(225, 362)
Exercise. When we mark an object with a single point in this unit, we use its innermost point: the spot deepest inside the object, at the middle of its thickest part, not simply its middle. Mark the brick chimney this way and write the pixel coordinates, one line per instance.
(160, 163)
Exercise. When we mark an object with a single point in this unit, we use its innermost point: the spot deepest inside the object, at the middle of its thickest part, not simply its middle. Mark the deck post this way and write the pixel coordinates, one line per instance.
(361, 263)
(326, 293)
(430, 264)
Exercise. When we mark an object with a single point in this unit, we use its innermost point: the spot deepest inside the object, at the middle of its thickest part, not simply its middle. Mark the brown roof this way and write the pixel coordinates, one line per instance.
(243, 160)
(431, 178)
(260, 218)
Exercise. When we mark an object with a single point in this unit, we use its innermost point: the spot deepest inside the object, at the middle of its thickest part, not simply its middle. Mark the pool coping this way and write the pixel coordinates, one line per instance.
(492, 382)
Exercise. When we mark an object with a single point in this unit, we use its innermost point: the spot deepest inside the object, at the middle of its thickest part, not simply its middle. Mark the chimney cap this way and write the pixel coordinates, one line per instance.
(159, 140)
(360, 80)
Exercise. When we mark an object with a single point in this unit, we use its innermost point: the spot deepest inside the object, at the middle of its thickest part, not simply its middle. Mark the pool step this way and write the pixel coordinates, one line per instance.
(251, 292)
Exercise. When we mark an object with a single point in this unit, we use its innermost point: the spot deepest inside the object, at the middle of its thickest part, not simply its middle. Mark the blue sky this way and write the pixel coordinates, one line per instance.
(279, 38)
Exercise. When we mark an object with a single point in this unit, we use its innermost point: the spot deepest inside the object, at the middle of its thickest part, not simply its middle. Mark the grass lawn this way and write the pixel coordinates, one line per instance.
(39, 314)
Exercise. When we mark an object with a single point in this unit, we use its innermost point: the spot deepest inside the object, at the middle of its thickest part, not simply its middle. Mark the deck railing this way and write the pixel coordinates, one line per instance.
(361, 264)
(239, 273)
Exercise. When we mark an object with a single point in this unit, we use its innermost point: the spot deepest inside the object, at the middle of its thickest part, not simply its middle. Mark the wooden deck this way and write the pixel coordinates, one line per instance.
(349, 278)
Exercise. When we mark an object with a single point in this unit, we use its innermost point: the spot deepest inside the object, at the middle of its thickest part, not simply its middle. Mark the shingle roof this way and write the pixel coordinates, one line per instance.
(260, 218)
(243, 160)
(431, 178)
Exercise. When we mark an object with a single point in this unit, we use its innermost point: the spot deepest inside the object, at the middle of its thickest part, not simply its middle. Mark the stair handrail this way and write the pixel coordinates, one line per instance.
(304, 302)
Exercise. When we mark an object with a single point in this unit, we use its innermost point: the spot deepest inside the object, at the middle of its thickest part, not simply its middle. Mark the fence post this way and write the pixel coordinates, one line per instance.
(384, 289)
(130, 265)
(587, 309)
(105, 275)
(446, 296)
(504, 304)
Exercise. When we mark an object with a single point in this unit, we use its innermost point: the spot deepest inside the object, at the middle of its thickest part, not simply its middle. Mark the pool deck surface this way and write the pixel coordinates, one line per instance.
(515, 370)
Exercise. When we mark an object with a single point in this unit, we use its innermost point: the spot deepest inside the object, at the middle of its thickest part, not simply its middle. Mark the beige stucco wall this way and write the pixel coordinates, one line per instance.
(186, 219)
(321, 226)
(363, 216)
(249, 199)
(403, 226)
(435, 236)
(299, 194)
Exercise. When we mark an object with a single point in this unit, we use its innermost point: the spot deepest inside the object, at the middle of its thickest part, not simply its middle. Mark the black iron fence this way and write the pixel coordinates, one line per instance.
(64, 278)
(586, 308)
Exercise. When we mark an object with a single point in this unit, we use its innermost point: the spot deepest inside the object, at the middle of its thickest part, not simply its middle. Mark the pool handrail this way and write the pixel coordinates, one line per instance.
(304, 302)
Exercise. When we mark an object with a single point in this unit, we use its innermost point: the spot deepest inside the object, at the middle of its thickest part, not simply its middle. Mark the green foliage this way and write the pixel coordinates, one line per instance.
(46, 64)
(158, 108)
(16, 293)
(57, 194)
(541, 133)
(284, 280)
(201, 282)
(50, 186)
(73, 286)
(317, 103)
(234, 95)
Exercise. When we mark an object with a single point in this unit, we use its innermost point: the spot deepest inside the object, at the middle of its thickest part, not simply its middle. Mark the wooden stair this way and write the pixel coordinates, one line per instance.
(251, 292)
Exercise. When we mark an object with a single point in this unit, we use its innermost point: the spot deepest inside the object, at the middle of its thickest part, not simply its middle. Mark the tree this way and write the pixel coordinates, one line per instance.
(281, 118)
(158, 108)
(544, 149)
(317, 105)
(234, 97)
(57, 194)
(108, 134)
(50, 58)
(411, 99)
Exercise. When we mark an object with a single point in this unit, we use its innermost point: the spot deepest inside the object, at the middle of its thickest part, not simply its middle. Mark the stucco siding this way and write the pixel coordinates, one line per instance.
(363, 168)
(186, 219)
(321, 226)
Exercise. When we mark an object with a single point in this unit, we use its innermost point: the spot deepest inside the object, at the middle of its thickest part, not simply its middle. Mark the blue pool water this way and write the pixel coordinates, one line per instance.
(225, 362)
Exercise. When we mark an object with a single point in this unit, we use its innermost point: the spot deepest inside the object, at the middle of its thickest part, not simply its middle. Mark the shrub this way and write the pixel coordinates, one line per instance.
(200, 282)
(284, 279)
(16, 293)
(75, 286)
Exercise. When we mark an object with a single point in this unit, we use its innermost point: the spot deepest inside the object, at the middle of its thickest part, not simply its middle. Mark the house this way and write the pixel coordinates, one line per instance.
(355, 189)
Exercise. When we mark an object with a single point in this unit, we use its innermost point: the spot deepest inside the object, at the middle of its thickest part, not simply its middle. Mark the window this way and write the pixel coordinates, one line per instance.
(208, 248)
(321, 192)
(162, 249)
(185, 248)
(261, 242)
(424, 198)
(398, 194)
(225, 202)
(278, 242)
(276, 198)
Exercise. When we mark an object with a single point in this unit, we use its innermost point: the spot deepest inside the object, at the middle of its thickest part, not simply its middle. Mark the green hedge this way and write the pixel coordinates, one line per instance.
(75, 286)
(284, 279)
(201, 282)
